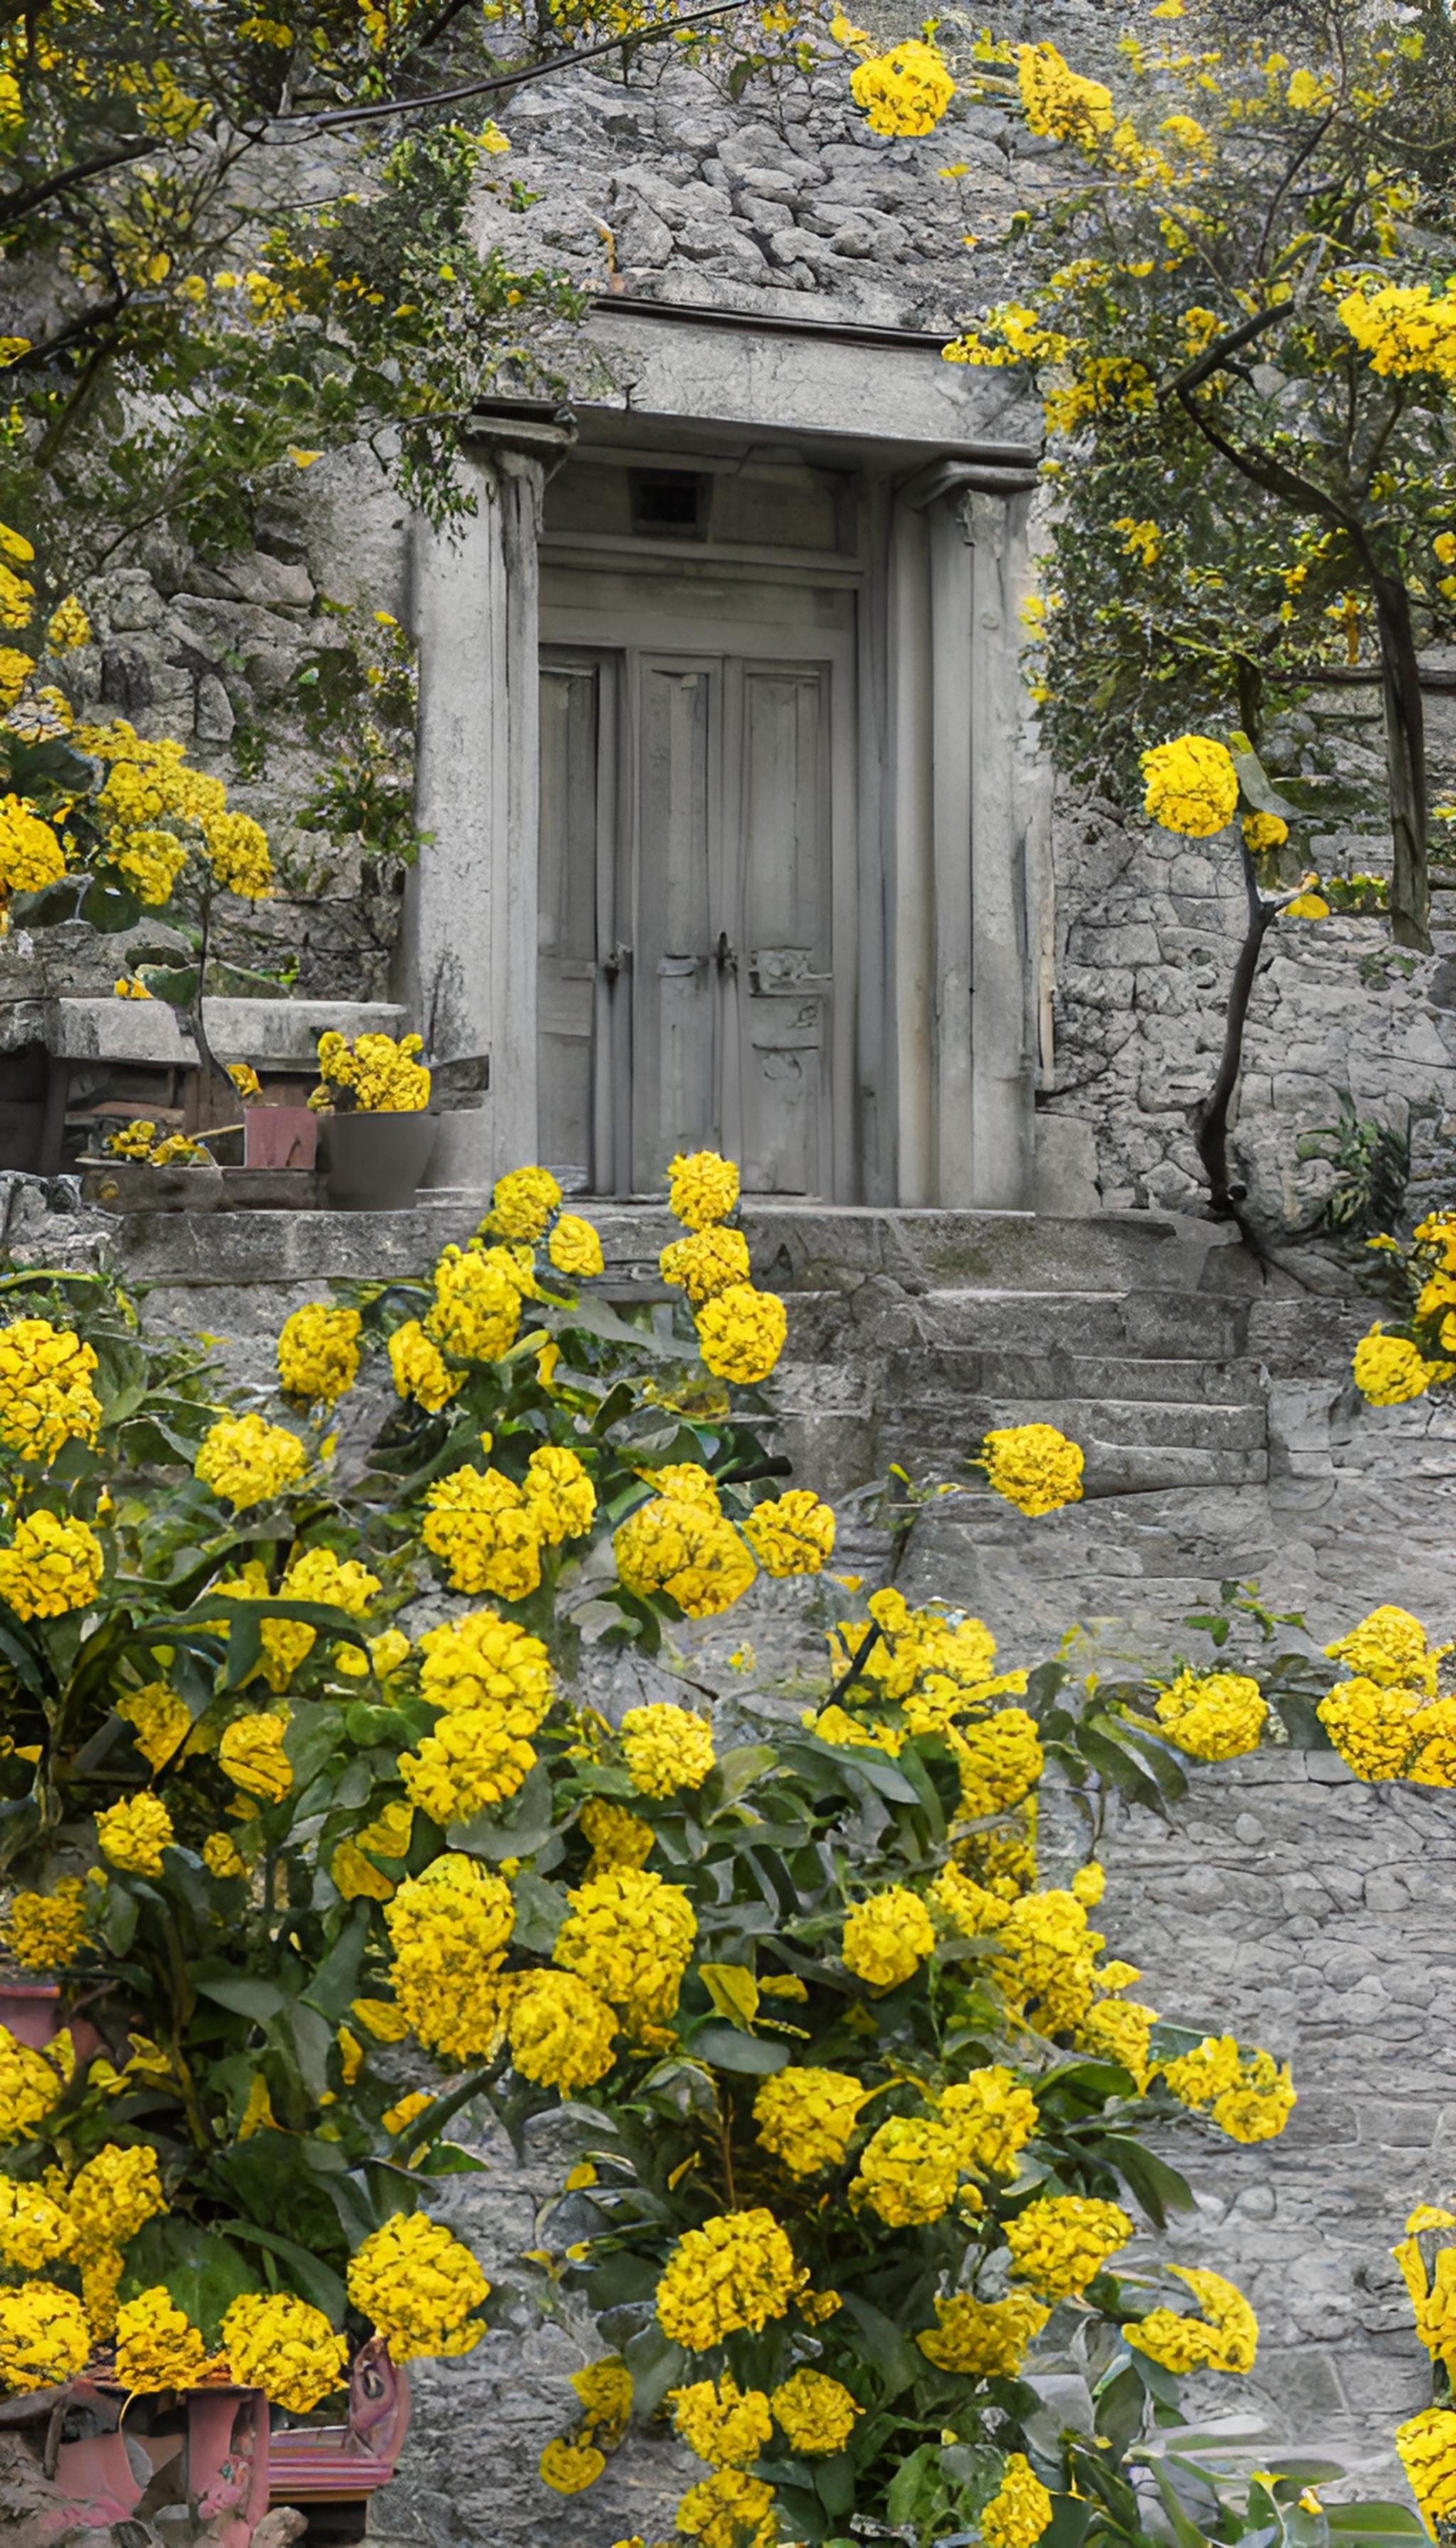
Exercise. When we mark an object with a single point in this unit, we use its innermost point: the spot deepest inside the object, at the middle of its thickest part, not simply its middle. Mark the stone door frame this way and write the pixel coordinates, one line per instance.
(952, 1022)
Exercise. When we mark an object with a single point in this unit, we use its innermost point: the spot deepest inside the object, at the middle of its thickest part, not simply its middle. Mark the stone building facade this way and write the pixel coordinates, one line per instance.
(741, 834)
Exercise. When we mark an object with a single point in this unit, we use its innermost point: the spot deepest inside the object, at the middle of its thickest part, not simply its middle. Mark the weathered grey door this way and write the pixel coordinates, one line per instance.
(687, 984)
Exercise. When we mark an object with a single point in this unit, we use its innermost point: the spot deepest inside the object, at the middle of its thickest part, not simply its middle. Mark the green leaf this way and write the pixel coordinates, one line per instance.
(174, 983)
(336, 1981)
(202, 2272)
(898, 2363)
(540, 1909)
(1157, 2187)
(246, 1994)
(726, 2049)
(514, 1830)
(656, 2366)
(733, 1774)
(315, 2280)
(912, 2484)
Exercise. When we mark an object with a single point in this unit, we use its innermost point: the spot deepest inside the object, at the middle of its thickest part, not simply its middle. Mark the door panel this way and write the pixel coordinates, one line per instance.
(565, 973)
(783, 942)
(710, 857)
(677, 853)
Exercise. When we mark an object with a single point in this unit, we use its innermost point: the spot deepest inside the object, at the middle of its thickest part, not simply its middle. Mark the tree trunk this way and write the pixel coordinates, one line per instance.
(1211, 1128)
(1405, 752)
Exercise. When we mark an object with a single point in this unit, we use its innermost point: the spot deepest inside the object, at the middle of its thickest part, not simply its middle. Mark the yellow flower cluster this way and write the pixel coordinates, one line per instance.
(999, 1756)
(1020, 2510)
(720, 2422)
(1034, 1467)
(792, 1534)
(1389, 1646)
(561, 2034)
(1059, 104)
(237, 854)
(523, 1204)
(449, 1929)
(1385, 1733)
(1192, 785)
(806, 2118)
(703, 1188)
(31, 855)
(30, 2082)
(1427, 2446)
(984, 2339)
(813, 2412)
(1404, 329)
(1248, 2095)
(490, 1532)
(381, 1076)
(685, 1549)
(667, 1749)
(53, 1566)
(729, 2510)
(133, 1833)
(477, 1303)
(888, 1937)
(246, 1461)
(909, 2171)
(418, 2285)
(615, 1837)
(421, 1370)
(737, 2270)
(477, 1755)
(157, 2346)
(904, 92)
(46, 1393)
(44, 1931)
(1121, 2030)
(992, 2116)
(1225, 2339)
(1389, 1370)
(740, 1333)
(575, 1248)
(1433, 2290)
(709, 1261)
(480, 1658)
(43, 2336)
(319, 1353)
(1214, 1716)
(252, 1755)
(286, 2347)
(34, 2230)
(629, 1935)
(1061, 2241)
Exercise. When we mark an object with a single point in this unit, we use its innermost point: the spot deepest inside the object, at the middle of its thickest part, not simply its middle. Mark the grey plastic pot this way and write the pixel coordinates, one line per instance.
(376, 1162)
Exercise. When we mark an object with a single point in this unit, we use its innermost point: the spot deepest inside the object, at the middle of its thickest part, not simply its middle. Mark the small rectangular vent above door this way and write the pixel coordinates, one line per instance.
(669, 504)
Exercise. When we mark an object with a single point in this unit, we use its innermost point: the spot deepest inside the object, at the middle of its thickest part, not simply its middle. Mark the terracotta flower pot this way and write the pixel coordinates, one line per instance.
(280, 1136)
(31, 2011)
(376, 1162)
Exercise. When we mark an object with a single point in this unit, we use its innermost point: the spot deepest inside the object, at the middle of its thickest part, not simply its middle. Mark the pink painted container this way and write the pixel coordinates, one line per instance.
(280, 1136)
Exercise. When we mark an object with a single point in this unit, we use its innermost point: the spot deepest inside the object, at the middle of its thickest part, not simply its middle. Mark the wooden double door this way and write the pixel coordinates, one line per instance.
(694, 808)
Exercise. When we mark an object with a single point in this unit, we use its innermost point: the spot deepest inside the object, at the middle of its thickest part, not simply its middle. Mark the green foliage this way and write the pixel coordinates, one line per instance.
(1374, 1163)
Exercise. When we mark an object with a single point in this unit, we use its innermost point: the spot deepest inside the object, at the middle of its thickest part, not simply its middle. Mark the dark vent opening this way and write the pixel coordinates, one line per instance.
(671, 504)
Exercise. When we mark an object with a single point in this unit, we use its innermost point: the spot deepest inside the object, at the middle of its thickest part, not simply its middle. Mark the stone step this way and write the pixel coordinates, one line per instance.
(958, 1422)
(1175, 1326)
(1080, 1378)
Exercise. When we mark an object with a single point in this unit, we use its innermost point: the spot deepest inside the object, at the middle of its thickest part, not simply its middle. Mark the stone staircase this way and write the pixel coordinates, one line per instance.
(912, 1333)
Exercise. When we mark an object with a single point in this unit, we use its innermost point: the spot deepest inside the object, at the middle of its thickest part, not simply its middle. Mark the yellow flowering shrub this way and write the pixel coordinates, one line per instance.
(904, 92)
(44, 1931)
(421, 1370)
(523, 1204)
(481, 1525)
(133, 1833)
(52, 1566)
(629, 1934)
(158, 2347)
(722, 2423)
(1020, 2510)
(886, 1936)
(708, 1260)
(1225, 2339)
(46, 1393)
(685, 1550)
(286, 2347)
(806, 2118)
(1426, 2443)
(43, 2336)
(736, 2271)
(1059, 2242)
(251, 1754)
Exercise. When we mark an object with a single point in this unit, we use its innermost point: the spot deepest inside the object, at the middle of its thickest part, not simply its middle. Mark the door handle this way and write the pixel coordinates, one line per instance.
(723, 954)
(618, 962)
(673, 966)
